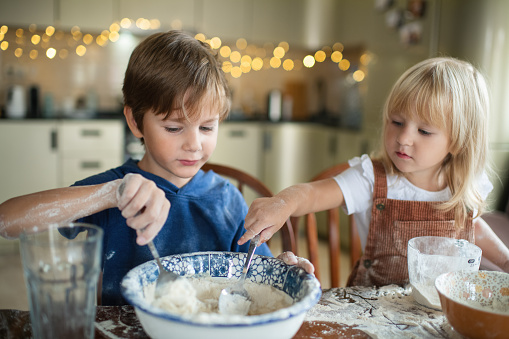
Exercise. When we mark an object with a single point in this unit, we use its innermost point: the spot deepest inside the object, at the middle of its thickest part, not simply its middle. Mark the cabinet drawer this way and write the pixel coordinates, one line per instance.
(83, 135)
(78, 168)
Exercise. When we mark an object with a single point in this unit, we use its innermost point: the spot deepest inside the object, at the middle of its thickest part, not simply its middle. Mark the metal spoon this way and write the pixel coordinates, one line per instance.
(164, 276)
(235, 299)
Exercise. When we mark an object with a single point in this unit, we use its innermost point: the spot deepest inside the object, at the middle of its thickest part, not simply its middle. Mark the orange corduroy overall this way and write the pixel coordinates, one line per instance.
(393, 223)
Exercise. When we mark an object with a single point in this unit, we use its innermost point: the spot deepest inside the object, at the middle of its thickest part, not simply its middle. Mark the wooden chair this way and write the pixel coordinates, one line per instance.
(333, 232)
(245, 179)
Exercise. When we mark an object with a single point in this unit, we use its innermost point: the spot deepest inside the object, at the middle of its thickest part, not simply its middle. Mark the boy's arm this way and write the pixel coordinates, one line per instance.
(55, 206)
(267, 215)
(142, 203)
(492, 247)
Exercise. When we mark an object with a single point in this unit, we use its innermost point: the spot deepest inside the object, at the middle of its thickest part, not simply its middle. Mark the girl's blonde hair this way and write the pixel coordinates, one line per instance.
(452, 95)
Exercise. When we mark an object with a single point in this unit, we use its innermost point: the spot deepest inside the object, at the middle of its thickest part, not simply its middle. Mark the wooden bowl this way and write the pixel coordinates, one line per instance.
(476, 304)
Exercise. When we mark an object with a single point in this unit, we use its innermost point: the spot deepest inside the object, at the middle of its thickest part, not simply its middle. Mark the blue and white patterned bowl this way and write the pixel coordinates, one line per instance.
(303, 288)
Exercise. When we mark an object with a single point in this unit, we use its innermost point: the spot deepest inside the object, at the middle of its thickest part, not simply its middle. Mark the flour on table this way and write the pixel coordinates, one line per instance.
(388, 312)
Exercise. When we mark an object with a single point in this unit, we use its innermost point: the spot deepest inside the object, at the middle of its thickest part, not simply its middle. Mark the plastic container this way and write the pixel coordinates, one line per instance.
(429, 257)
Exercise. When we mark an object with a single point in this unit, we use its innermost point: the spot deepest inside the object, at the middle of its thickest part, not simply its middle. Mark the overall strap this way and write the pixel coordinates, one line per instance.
(380, 189)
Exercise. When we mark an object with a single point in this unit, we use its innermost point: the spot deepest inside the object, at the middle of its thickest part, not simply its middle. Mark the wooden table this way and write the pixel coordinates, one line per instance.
(387, 312)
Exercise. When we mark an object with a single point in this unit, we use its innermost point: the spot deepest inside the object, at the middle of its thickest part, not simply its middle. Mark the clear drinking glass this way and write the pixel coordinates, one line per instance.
(61, 265)
(428, 257)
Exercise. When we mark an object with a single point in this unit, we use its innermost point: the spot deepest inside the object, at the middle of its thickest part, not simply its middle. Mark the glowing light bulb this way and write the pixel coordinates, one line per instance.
(257, 64)
(309, 61)
(288, 65)
(225, 51)
(275, 62)
(81, 50)
(344, 65)
(336, 56)
(241, 43)
(215, 43)
(358, 75)
(51, 52)
(279, 52)
(320, 56)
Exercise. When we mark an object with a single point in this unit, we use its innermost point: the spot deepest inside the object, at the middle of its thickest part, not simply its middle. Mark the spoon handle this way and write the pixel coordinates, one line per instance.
(155, 254)
(252, 245)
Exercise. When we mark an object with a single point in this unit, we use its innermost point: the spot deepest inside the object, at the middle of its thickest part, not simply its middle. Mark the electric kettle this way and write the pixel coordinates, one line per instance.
(16, 104)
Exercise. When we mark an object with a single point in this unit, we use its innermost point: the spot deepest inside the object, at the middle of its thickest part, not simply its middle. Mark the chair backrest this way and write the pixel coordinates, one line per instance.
(333, 233)
(245, 179)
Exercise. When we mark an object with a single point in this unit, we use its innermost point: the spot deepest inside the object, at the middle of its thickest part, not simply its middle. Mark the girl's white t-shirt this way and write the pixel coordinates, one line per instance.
(357, 185)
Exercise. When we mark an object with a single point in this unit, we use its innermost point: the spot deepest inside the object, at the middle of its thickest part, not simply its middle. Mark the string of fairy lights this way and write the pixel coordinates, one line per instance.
(237, 59)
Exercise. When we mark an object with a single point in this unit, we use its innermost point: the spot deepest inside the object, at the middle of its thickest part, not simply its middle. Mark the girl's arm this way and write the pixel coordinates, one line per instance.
(492, 247)
(71, 203)
(267, 215)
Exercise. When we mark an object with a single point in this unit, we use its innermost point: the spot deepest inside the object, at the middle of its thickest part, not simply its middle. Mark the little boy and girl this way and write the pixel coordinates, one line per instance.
(175, 96)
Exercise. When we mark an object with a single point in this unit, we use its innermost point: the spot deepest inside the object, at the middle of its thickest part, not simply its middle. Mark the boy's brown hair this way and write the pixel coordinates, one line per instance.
(172, 72)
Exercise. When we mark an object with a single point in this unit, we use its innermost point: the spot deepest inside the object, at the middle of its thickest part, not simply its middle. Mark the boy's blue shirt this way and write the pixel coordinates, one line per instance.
(207, 214)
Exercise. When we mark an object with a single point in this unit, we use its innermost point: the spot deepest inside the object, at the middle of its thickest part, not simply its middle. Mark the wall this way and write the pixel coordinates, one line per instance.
(100, 70)
(484, 41)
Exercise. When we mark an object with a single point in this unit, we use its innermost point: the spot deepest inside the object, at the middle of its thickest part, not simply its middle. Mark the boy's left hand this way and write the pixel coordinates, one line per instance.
(291, 259)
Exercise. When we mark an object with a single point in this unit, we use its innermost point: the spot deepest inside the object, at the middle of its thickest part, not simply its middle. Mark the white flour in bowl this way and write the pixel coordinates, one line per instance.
(198, 295)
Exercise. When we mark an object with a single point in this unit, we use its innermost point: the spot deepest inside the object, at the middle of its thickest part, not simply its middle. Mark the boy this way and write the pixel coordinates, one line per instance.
(175, 95)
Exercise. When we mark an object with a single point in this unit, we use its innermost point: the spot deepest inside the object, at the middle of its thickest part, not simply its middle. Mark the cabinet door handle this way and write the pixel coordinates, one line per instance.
(267, 141)
(90, 133)
(54, 140)
(90, 164)
(237, 134)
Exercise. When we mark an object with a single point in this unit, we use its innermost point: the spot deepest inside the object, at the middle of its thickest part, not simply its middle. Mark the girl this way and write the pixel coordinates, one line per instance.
(429, 178)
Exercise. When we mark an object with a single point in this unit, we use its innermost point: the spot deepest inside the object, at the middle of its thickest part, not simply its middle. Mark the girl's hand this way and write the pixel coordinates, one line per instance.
(144, 205)
(291, 259)
(265, 217)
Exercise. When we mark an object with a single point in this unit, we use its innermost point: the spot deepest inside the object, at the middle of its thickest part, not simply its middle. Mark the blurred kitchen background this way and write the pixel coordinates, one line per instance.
(308, 77)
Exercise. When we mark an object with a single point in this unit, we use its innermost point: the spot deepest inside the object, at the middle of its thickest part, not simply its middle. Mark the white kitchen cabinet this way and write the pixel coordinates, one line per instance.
(89, 147)
(349, 144)
(43, 154)
(286, 153)
(270, 20)
(89, 16)
(23, 13)
(220, 16)
(239, 145)
(166, 11)
(293, 153)
(29, 157)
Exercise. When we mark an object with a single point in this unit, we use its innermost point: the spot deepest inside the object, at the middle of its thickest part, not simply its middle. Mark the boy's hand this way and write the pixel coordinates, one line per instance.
(144, 205)
(291, 259)
(265, 217)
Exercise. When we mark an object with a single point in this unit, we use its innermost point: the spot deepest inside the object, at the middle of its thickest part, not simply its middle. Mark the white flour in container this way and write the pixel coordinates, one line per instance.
(426, 295)
(200, 295)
